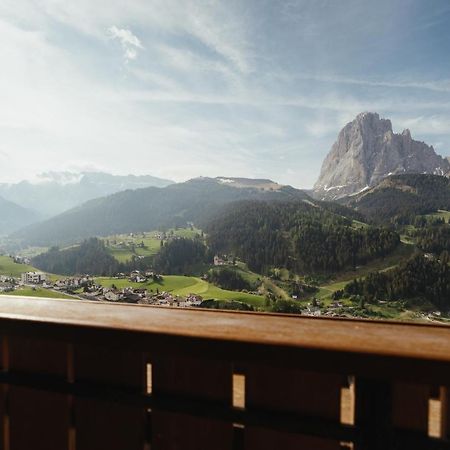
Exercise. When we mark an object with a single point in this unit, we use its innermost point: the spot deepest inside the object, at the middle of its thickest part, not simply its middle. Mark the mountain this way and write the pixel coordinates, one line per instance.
(55, 192)
(13, 217)
(152, 208)
(366, 151)
(399, 198)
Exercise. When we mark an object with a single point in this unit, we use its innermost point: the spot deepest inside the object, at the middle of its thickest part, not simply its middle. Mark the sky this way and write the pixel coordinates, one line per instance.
(187, 88)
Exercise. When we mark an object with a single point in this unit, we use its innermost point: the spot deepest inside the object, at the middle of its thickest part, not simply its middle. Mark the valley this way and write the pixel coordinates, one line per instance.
(377, 248)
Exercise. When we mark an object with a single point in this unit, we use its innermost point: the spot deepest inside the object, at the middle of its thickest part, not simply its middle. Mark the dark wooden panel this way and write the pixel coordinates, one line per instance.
(373, 414)
(368, 348)
(306, 393)
(35, 355)
(191, 378)
(38, 419)
(445, 412)
(410, 407)
(3, 388)
(4, 428)
(106, 425)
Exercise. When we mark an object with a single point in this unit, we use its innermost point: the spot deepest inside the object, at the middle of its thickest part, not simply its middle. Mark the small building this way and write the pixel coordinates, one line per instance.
(33, 277)
(218, 261)
(114, 295)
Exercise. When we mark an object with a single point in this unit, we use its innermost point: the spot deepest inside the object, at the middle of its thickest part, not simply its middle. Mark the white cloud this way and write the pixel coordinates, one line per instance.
(203, 99)
(130, 43)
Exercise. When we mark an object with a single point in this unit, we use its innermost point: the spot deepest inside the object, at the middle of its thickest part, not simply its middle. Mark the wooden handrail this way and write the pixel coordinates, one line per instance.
(365, 340)
(294, 368)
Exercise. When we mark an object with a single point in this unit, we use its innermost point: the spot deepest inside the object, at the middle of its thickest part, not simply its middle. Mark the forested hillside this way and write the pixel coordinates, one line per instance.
(420, 279)
(295, 235)
(148, 209)
(90, 257)
(400, 198)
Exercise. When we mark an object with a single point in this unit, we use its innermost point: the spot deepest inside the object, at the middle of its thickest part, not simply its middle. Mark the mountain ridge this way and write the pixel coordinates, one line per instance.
(366, 151)
(55, 192)
(13, 216)
(151, 208)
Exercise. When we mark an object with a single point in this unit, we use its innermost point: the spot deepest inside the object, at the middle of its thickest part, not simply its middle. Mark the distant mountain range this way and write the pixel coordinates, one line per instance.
(380, 174)
(13, 217)
(367, 151)
(55, 192)
(152, 208)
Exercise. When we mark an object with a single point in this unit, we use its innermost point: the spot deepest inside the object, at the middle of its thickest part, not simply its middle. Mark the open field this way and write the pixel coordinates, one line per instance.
(181, 285)
(37, 292)
(10, 268)
(402, 252)
(356, 224)
(441, 214)
(126, 246)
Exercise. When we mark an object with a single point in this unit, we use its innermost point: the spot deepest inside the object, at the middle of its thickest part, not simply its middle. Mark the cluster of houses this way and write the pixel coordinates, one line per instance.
(7, 284)
(85, 287)
(140, 296)
(223, 260)
(144, 297)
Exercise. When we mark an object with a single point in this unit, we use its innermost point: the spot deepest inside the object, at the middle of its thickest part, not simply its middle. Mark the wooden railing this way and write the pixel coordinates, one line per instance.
(80, 375)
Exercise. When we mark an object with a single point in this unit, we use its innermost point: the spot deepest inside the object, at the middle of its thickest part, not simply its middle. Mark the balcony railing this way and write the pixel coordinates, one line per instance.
(80, 375)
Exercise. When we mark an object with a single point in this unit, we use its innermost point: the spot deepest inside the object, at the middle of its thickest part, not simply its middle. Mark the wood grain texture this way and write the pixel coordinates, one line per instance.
(428, 342)
(307, 393)
(106, 424)
(38, 419)
(192, 378)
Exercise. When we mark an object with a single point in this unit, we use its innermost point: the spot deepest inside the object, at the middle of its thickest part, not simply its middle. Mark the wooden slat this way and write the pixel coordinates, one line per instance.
(4, 364)
(373, 414)
(38, 419)
(445, 412)
(109, 425)
(194, 379)
(307, 393)
(410, 407)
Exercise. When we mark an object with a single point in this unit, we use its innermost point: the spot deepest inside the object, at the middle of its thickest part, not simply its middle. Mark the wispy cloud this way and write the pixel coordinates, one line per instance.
(210, 87)
(130, 42)
(432, 85)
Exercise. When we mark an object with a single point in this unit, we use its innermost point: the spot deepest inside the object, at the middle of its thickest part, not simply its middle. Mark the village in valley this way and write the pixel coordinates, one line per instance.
(87, 288)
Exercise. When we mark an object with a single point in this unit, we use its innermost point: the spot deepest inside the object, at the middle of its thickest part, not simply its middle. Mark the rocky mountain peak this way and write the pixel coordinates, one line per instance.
(366, 151)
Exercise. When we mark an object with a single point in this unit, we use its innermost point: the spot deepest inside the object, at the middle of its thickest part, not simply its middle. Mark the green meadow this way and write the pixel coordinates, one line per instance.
(10, 268)
(183, 286)
(126, 246)
(37, 292)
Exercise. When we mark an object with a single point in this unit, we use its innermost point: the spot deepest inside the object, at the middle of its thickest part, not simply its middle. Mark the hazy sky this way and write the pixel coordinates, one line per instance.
(178, 89)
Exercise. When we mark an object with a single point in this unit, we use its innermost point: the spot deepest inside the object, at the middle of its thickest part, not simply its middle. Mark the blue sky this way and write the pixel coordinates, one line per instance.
(179, 89)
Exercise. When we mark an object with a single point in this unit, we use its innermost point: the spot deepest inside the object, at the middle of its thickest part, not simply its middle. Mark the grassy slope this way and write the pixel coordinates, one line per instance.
(403, 252)
(441, 214)
(9, 267)
(37, 292)
(152, 245)
(181, 285)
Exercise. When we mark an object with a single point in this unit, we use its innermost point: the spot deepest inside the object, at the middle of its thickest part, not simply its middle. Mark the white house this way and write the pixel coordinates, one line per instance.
(33, 277)
(114, 296)
(218, 261)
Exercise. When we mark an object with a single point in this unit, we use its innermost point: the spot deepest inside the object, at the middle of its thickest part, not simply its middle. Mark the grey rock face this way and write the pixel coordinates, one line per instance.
(367, 151)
